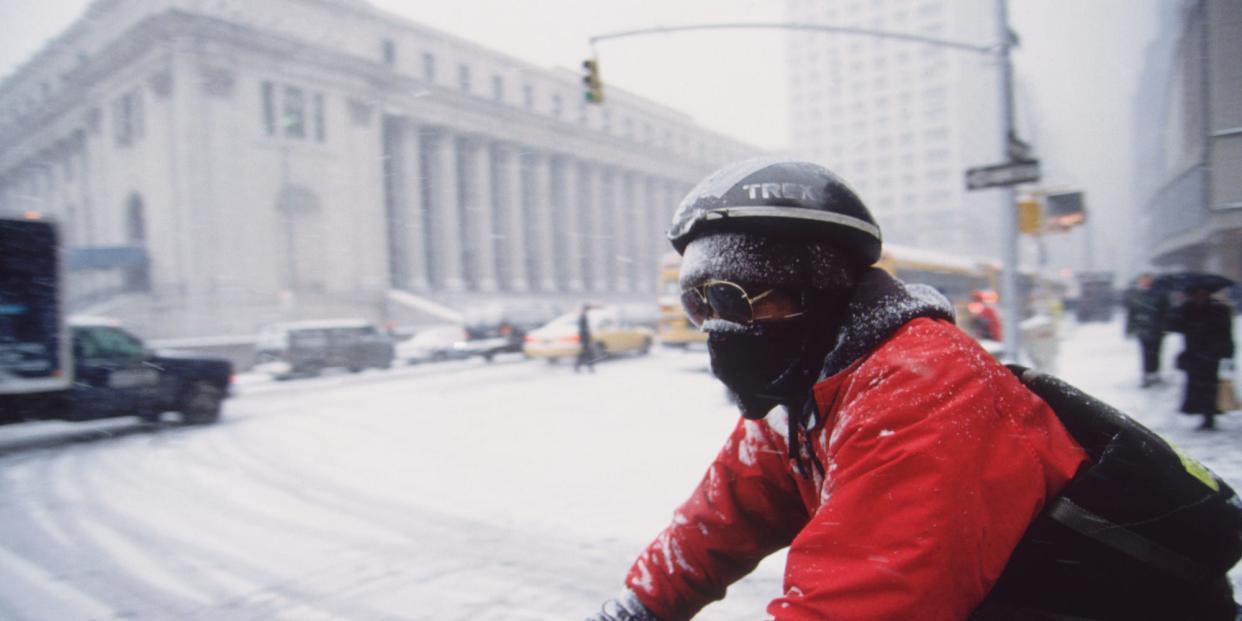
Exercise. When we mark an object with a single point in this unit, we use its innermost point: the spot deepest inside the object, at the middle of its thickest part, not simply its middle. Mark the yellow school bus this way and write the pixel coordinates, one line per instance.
(674, 329)
(954, 275)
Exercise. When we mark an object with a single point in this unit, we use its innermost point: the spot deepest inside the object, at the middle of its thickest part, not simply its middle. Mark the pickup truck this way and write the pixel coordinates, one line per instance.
(115, 374)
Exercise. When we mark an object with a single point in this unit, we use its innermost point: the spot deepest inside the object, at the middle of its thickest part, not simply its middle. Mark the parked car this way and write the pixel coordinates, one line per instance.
(433, 344)
(611, 334)
(303, 348)
(502, 328)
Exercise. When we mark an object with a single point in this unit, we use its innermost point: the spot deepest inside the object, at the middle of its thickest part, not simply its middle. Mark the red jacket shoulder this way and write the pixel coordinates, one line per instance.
(937, 460)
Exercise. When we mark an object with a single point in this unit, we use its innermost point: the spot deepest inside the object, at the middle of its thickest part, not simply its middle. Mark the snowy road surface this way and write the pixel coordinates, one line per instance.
(515, 491)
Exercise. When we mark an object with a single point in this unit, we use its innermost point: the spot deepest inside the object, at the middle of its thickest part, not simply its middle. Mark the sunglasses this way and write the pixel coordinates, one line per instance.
(726, 300)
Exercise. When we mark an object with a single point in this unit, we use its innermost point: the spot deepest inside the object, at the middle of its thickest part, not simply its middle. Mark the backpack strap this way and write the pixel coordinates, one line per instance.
(1126, 541)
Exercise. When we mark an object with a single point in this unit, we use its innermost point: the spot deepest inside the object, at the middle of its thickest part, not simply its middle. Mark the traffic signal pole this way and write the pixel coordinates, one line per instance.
(1011, 308)
(883, 34)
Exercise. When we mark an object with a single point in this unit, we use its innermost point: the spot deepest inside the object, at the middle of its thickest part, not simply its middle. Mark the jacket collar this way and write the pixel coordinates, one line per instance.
(880, 304)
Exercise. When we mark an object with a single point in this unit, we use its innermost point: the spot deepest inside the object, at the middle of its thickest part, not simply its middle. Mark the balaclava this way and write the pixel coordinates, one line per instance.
(772, 363)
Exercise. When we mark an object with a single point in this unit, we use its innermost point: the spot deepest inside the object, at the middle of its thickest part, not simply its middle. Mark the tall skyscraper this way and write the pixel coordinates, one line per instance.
(901, 121)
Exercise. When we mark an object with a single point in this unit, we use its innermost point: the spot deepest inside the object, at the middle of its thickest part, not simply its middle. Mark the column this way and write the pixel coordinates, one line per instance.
(646, 207)
(511, 220)
(609, 204)
(569, 211)
(599, 249)
(410, 211)
(657, 225)
(477, 204)
(622, 257)
(445, 223)
(539, 214)
(667, 200)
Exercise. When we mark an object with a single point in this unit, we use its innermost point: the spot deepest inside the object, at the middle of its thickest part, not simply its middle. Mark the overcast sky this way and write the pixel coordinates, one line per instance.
(1077, 68)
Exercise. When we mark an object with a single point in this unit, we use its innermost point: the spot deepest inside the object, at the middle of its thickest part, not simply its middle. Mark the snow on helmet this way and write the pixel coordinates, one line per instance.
(778, 197)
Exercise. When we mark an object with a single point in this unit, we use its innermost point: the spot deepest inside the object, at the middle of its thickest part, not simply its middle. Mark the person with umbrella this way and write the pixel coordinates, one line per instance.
(1206, 325)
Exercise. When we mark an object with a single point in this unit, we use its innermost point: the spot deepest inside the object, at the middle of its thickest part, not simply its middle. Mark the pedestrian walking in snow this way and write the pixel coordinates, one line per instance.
(1146, 310)
(898, 461)
(1206, 325)
(586, 349)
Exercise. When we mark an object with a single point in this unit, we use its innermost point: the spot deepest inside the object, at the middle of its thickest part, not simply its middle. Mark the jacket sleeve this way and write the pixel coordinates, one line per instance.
(746, 507)
(939, 461)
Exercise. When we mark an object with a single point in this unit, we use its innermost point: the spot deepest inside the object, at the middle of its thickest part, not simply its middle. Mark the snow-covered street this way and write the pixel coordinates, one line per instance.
(516, 490)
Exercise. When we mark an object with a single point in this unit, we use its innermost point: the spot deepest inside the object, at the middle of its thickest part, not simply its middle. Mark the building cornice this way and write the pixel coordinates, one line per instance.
(157, 25)
(160, 29)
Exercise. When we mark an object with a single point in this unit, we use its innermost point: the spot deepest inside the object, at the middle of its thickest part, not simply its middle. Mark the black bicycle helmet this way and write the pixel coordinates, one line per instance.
(778, 197)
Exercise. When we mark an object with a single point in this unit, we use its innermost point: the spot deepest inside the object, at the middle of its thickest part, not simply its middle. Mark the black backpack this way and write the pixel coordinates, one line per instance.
(1142, 532)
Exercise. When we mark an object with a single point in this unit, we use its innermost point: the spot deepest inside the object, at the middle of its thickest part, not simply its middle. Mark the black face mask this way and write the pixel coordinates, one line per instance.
(756, 364)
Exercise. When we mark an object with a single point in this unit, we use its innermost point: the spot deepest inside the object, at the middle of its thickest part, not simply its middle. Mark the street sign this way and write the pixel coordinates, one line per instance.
(998, 175)
(1066, 210)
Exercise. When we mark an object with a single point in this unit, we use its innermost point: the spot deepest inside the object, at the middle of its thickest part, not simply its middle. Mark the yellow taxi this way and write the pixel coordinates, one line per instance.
(611, 335)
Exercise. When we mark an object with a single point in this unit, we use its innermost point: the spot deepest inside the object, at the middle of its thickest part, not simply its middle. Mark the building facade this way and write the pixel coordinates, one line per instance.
(294, 157)
(1188, 155)
(902, 121)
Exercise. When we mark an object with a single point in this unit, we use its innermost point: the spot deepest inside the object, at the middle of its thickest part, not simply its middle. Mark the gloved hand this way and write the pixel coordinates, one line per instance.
(624, 607)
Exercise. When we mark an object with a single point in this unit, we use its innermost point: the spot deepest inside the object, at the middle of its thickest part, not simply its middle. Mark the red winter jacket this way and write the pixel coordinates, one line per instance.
(935, 461)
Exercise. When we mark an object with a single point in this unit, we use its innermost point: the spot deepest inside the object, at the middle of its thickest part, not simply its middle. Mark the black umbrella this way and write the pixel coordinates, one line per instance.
(1184, 281)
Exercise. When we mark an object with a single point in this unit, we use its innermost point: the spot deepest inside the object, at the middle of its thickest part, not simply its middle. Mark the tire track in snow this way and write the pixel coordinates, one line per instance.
(86, 563)
(246, 585)
(438, 568)
(27, 539)
(33, 590)
(92, 561)
(482, 544)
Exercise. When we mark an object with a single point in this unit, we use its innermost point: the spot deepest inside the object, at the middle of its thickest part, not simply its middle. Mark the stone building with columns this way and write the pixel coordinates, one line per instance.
(295, 158)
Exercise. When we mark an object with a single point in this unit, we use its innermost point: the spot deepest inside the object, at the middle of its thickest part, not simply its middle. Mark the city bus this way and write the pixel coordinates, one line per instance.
(673, 328)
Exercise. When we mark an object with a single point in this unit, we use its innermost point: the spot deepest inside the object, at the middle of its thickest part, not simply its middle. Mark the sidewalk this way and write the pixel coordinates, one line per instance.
(1098, 359)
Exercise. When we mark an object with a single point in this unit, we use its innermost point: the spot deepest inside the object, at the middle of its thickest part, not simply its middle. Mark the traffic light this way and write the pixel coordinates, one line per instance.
(592, 87)
(1030, 216)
